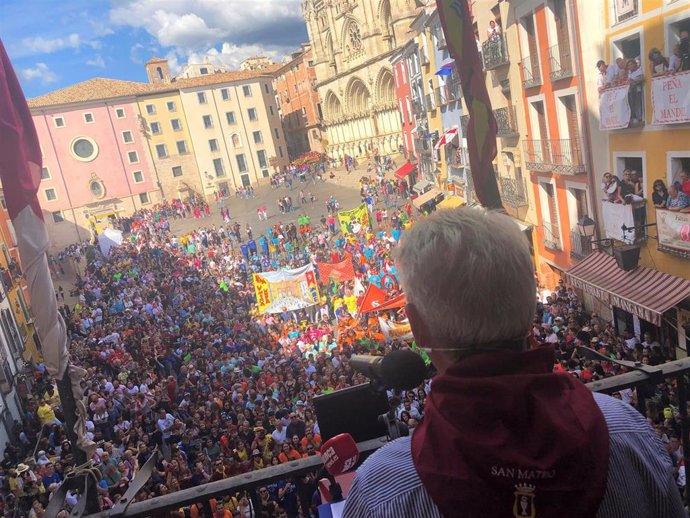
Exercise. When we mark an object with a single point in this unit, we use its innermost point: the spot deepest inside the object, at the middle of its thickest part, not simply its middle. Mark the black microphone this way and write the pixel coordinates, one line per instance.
(400, 370)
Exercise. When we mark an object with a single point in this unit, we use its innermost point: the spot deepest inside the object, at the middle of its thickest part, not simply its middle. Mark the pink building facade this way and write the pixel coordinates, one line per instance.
(96, 164)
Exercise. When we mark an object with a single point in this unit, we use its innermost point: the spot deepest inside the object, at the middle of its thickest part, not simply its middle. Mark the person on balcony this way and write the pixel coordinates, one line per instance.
(659, 194)
(684, 181)
(494, 31)
(674, 62)
(658, 63)
(607, 75)
(677, 201)
(633, 72)
(684, 50)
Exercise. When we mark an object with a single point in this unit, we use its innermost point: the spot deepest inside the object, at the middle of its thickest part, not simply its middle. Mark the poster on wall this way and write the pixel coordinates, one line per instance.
(673, 231)
(286, 290)
(671, 98)
(624, 7)
(614, 108)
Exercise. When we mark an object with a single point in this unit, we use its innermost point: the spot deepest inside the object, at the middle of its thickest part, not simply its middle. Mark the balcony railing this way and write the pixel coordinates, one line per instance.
(422, 147)
(531, 75)
(560, 61)
(495, 52)
(417, 106)
(431, 101)
(506, 122)
(513, 191)
(580, 246)
(464, 123)
(636, 100)
(557, 156)
(458, 157)
(551, 238)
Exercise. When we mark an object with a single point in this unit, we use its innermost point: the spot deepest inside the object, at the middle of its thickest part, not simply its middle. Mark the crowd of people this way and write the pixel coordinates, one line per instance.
(628, 190)
(179, 359)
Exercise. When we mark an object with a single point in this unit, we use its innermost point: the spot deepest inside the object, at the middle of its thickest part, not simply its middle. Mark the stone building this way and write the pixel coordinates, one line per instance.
(352, 43)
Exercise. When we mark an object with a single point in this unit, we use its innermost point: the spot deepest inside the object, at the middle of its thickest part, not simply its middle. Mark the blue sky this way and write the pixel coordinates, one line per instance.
(56, 43)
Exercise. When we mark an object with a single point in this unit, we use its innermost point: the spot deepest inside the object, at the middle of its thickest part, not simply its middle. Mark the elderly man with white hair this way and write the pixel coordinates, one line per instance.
(502, 434)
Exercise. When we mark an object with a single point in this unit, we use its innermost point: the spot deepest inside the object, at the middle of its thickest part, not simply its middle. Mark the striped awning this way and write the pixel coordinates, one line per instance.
(644, 292)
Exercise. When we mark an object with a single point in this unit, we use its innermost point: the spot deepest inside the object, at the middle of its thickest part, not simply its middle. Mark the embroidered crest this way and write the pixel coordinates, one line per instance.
(524, 507)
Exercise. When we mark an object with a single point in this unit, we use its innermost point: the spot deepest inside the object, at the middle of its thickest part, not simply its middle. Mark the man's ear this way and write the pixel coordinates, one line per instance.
(420, 330)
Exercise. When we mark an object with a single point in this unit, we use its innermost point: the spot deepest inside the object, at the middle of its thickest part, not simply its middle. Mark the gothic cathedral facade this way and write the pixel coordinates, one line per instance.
(352, 42)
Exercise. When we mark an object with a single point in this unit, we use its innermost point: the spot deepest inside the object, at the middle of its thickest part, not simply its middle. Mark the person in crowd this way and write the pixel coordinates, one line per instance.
(684, 180)
(610, 464)
(608, 75)
(674, 62)
(494, 31)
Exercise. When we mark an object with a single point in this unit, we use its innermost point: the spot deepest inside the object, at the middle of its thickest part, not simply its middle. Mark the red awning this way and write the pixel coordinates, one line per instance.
(404, 170)
(644, 292)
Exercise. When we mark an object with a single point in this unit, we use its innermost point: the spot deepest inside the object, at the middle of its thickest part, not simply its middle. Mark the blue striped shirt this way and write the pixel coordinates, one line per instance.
(640, 480)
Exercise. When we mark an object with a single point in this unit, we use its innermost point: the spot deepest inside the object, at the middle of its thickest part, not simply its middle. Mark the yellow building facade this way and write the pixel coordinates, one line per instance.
(164, 126)
(654, 147)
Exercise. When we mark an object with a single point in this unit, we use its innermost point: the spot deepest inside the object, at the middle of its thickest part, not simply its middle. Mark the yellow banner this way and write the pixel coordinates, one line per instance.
(286, 290)
(350, 219)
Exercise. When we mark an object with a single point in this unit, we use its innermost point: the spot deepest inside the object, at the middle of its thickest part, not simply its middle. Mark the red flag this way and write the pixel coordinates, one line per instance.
(340, 271)
(20, 173)
(372, 299)
(456, 20)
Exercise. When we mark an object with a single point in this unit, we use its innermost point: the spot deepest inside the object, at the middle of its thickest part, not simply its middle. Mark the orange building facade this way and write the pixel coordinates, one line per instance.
(298, 101)
(555, 147)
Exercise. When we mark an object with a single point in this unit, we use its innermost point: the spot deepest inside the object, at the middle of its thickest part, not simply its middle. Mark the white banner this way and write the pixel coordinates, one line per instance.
(614, 108)
(615, 216)
(671, 98)
(673, 229)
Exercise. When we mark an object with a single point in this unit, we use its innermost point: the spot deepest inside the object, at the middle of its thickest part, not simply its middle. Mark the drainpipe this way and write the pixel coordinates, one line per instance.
(586, 132)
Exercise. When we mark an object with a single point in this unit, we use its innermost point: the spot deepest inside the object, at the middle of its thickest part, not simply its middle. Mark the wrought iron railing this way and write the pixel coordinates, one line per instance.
(558, 156)
(458, 157)
(506, 121)
(418, 106)
(513, 191)
(495, 52)
(431, 101)
(580, 246)
(464, 123)
(551, 238)
(560, 61)
(531, 75)
(636, 101)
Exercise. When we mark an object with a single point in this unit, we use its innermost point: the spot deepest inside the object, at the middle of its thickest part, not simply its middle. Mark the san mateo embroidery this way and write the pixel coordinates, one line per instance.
(524, 504)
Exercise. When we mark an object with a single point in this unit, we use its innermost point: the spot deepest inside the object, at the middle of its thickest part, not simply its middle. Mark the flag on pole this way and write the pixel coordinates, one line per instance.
(20, 174)
(456, 21)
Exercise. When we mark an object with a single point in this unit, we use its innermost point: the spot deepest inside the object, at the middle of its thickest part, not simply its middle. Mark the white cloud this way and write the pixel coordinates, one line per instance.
(197, 24)
(96, 62)
(231, 55)
(134, 56)
(41, 45)
(41, 72)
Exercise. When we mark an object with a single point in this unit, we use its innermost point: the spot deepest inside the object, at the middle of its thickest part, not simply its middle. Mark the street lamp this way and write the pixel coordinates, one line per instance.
(586, 226)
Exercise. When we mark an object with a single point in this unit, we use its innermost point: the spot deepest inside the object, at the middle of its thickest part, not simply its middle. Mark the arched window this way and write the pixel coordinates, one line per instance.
(160, 72)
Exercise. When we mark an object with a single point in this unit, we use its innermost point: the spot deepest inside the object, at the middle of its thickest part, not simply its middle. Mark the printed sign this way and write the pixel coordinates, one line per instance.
(286, 290)
(671, 98)
(674, 231)
(614, 108)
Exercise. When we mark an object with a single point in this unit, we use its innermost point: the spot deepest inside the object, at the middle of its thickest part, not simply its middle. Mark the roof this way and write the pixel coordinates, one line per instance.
(644, 292)
(431, 194)
(95, 89)
(156, 60)
(99, 88)
(404, 170)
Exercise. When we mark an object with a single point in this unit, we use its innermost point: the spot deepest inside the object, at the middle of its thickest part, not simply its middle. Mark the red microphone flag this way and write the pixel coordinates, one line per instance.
(456, 20)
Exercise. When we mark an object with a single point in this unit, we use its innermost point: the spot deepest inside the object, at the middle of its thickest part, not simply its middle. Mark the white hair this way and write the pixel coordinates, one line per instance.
(469, 273)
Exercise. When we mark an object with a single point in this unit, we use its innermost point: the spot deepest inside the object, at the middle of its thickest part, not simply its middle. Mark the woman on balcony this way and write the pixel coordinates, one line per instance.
(659, 194)
(658, 64)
